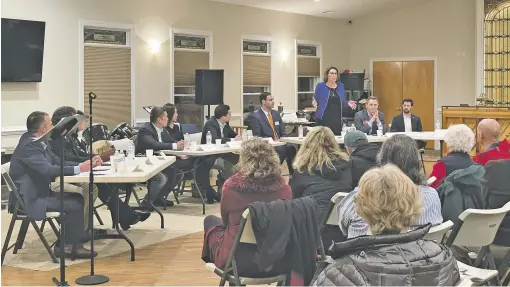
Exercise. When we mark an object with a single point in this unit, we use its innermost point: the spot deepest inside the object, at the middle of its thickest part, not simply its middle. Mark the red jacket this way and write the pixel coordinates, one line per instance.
(448, 164)
(237, 194)
(502, 151)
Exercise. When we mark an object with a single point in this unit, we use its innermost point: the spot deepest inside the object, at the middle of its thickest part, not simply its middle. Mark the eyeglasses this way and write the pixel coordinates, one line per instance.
(333, 73)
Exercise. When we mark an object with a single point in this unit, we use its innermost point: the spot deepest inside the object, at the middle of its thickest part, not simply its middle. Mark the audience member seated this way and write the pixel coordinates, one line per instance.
(362, 154)
(267, 123)
(459, 140)
(127, 215)
(321, 170)
(406, 122)
(220, 129)
(390, 203)
(487, 136)
(369, 119)
(258, 179)
(33, 167)
(400, 150)
(150, 137)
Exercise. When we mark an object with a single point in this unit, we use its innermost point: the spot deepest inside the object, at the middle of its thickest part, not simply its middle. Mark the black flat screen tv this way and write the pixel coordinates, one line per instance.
(22, 50)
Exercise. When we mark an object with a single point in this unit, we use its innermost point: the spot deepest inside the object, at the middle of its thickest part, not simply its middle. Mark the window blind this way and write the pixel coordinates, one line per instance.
(309, 67)
(256, 70)
(185, 64)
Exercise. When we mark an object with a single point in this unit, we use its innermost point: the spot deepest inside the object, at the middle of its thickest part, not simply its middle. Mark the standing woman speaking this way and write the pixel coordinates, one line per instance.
(329, 98)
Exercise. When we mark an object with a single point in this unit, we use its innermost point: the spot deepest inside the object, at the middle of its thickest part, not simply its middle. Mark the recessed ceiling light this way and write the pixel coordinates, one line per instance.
(327, 12)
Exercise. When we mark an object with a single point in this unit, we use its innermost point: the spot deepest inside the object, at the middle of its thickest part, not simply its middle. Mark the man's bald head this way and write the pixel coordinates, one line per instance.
(488, 131)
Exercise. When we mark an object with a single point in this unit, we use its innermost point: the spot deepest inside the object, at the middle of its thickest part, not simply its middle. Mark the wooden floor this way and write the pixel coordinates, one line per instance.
(170, 263)
(174, 262)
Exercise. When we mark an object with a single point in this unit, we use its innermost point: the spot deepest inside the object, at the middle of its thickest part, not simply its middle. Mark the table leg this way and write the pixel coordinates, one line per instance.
(196, 184)
(155, 209)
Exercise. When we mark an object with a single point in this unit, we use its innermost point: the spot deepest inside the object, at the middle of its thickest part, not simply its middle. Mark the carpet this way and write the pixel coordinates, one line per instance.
(180, 220)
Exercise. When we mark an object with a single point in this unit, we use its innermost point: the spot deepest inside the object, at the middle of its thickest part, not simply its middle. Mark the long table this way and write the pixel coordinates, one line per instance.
(143, 174)
(213, 150)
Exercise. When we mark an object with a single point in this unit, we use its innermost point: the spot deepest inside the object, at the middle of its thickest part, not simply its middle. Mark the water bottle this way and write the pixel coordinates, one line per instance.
(245, 134)
(187, 142)
(131, 151)
(300, 131)
(379, 129)
(438, 125)
(344, 130)
(208, 138)
(353, 128)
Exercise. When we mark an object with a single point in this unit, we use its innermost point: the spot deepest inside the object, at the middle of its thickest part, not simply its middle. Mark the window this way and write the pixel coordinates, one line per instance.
(256, 72)
(191, 52)
(497, 55)
(308, 73)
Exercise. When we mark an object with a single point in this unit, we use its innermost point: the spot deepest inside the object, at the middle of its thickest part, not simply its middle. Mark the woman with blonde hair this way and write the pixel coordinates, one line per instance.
(258, 178)
(320, 171)
(390, 202)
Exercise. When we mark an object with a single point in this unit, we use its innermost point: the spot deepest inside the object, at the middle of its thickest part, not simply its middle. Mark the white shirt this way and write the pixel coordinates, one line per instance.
(159, 131)
(407, 123)
(222, 126)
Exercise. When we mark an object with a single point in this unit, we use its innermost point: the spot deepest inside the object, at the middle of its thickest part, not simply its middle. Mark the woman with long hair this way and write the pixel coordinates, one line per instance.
(329, 98)
(258, 178)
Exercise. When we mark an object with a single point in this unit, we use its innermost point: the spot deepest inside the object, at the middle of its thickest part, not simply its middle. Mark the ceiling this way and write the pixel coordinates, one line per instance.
(340, 9)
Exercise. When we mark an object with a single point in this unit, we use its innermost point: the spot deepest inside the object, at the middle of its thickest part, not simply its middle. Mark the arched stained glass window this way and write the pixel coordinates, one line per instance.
(497, 53)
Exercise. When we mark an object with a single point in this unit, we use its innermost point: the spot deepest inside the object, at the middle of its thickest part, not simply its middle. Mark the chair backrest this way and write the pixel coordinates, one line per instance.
(335, 200)
(189, 128)
(12, 188)
(6, 167)
(437, 233)
(477, 227)
(248, 236)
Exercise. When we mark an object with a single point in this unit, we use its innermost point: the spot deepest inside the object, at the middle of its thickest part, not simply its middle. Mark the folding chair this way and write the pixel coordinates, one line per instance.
(19, 214)
(477, 228)
(472, 276)
(330, 218)
(437, 233)
(230, 273)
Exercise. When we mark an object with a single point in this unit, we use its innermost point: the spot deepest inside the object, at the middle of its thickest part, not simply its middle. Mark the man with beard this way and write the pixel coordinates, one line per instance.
(406, 122)
(267, 123)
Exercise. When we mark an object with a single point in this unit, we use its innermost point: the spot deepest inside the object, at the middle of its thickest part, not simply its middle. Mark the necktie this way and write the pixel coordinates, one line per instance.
(271, 123)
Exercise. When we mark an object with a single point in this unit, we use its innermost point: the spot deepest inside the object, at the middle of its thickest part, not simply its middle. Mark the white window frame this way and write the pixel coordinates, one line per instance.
(130, 43)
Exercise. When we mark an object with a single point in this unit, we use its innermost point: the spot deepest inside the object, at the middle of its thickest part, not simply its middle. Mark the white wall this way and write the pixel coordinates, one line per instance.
(432, 28)
(153, 20)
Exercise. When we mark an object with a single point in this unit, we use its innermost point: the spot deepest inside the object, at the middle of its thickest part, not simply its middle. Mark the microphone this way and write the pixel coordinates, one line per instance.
(92, 96)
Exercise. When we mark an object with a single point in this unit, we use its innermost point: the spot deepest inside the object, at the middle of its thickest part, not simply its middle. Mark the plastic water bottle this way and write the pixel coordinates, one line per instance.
(353, 128)
(245, 134)
(344, 130)
(187, 142)
(300, 131)
(438, 125)
(131, 151)
(208, 138)
(379, 129)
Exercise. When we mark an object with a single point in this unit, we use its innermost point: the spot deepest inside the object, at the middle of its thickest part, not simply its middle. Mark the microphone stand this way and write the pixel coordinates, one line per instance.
(91, 279)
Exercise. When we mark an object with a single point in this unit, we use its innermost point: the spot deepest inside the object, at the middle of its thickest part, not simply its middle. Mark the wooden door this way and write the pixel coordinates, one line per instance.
(388, 88)
(418, 84)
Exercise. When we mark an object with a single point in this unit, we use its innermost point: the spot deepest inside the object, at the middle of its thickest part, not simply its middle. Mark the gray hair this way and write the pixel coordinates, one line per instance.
(402, 151)
(459, 138)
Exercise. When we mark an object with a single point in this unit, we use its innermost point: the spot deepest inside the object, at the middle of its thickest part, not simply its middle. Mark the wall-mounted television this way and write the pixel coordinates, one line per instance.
(22, 50)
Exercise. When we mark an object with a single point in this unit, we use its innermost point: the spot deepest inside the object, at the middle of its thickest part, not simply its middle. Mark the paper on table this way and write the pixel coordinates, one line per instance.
(234, 144)
(208, 147)
(148, 161)
(162, 154)
(138, 169)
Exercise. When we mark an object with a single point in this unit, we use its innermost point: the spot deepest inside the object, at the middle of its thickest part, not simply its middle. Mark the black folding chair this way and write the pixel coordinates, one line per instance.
(18, 213)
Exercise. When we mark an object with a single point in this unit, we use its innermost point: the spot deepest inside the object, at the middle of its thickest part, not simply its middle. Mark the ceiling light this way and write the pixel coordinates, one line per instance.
(316, 0)
(327, 12)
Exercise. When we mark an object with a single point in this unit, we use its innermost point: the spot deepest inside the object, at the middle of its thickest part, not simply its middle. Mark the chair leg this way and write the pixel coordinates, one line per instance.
(21, 236)
(136, 196)
(8, 237)
(44, 241)
(423, 163)
(43, 224)
(99, 220)
(53, 227)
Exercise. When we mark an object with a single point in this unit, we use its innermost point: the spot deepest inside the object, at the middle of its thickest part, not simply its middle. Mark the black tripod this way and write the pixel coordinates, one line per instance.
(91, 279)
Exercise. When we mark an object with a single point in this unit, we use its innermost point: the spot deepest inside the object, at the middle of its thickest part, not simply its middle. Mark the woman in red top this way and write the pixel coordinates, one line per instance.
(459, 140)
(258, 178)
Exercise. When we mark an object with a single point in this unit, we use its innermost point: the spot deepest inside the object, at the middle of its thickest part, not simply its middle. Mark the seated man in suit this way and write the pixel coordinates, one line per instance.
(267, 123)
(33, 167)
(368, 120)
(72, 152)
(219, 129)
(150, 137)
(406, 122)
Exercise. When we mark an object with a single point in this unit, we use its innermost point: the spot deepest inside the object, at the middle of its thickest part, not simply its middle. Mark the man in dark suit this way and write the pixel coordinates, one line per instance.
(406, 122)
(33, 167)
(267, 123)
(368, 120)
(219, 128)
(72, 152)
(150, 137)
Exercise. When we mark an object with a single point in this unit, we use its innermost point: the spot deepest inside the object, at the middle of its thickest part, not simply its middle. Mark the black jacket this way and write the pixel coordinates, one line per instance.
(213, 126)
(362, 159)
(287, 229)
(322, 186)
(172, 135)
(148, 139)
(389, 260)
(72, 152)
(497, 194)
(397, 124)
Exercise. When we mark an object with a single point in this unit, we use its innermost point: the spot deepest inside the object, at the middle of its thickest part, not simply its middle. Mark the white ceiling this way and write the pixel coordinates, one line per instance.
(341, 9)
